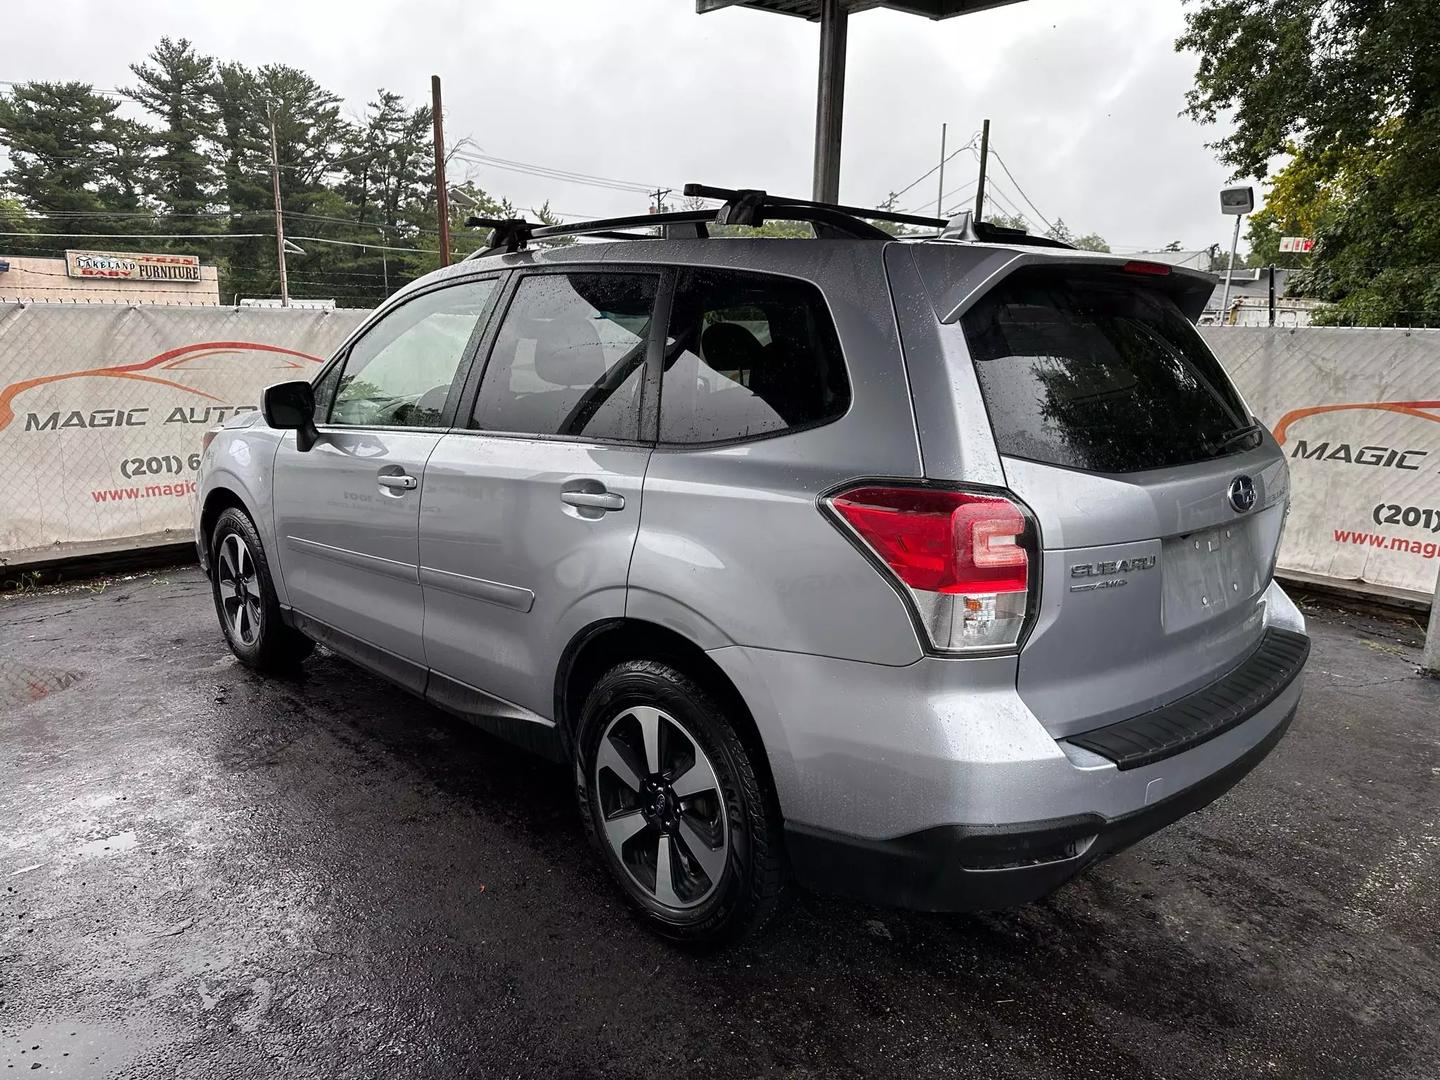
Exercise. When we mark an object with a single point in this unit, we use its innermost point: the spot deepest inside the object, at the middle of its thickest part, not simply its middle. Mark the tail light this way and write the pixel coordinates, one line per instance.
(207, 438)
(963, 557)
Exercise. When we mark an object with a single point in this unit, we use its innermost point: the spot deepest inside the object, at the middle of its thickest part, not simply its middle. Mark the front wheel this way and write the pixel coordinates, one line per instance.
(245, 598)
(673, 801)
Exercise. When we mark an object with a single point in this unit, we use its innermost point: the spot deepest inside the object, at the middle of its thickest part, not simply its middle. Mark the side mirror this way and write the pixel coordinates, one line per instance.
(290, 406)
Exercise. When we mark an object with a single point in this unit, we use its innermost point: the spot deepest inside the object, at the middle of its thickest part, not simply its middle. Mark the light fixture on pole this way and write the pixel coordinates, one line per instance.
(1236, 201)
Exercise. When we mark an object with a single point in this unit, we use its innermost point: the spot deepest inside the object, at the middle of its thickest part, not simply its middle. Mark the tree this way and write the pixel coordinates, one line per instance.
(177, 87)
(1351, 90)
(1007, 221)
(1089, 242)
(71, 158)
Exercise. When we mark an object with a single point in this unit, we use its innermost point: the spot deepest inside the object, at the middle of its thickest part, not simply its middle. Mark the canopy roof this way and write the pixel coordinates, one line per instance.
(810, 9)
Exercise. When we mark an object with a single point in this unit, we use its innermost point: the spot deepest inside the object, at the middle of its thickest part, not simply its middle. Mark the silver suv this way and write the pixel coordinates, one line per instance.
(927, 570)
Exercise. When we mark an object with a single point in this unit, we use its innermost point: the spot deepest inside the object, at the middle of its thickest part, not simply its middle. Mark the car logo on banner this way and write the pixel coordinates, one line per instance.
(1242, 494)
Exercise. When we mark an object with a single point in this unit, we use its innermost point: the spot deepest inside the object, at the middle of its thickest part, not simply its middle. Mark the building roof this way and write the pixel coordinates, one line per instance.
(810, 9)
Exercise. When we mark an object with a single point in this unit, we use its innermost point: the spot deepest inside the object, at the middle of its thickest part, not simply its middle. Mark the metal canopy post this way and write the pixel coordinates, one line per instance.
(830, 100)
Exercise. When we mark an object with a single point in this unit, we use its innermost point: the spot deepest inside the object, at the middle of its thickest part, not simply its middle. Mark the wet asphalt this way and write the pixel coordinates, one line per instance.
(207, 874)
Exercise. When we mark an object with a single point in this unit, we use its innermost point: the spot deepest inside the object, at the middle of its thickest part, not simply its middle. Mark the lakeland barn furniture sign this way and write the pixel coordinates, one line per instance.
(129, 266)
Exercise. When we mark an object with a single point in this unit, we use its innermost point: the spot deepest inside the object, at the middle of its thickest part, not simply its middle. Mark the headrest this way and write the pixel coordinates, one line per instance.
(567, 352)
(730, 347)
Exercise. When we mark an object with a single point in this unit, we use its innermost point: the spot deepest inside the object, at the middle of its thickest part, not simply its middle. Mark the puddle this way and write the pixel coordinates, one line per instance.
(109, 845)
(68, 1048)
(21, 684)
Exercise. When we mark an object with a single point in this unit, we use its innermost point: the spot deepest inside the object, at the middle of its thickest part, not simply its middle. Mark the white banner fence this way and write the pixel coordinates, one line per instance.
(102, 408)
(1357, 412)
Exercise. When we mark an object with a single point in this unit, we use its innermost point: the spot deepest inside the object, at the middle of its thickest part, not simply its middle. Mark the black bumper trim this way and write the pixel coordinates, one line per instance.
(1210, 711)
(985, 867)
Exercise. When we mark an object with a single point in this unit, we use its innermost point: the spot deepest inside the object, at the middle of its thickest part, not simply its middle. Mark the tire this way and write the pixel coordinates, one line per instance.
(692, 784)
(252, 626)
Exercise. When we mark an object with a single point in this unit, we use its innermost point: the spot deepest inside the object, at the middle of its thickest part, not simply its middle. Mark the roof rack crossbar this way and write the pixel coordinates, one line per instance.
(727, 195)
(749, 207)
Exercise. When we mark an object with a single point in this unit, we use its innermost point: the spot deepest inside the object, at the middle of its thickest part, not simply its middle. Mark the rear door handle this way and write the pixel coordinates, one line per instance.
(594, 500)
(402, 481)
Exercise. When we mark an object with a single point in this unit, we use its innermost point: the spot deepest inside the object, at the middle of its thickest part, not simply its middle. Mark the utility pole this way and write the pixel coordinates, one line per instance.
(442, 193)
(279, 214)
(984, 160)
(659, 194)
(384, 263)
(940, 191)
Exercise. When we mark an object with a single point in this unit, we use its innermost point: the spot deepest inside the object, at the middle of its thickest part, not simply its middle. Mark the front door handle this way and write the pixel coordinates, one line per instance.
(594, 500)
(402, 481)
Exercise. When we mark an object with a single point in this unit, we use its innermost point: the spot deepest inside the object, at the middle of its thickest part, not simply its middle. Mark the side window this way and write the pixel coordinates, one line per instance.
(399, 373)
(570, 357)
(748, 354)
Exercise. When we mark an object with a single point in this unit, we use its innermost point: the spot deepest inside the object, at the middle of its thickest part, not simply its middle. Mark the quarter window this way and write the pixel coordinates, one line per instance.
(399, 374)
(746, 355)
(570, 357)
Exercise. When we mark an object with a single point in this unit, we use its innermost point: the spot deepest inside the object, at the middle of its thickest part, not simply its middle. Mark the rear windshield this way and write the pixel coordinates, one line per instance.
(1096, 371)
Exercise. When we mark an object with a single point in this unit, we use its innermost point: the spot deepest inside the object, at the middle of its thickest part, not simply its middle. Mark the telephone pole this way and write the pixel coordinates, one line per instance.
(442, 193)
(279, 214)
(940, 191)
(984, 160)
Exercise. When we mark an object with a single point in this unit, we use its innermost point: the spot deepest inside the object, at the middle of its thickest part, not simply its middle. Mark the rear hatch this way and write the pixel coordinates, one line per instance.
(1160, 501)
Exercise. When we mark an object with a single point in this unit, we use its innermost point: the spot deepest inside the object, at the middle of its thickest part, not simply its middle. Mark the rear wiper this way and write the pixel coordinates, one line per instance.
(1234, 435)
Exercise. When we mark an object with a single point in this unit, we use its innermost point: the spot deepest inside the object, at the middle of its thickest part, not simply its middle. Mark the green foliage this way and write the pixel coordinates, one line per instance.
(70, 155)
(1089, 242)
(1007, 221)
(1350, 89)
(359, 197)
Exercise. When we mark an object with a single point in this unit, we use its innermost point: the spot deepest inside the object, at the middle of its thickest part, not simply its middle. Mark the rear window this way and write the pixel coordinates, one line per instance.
(1096, 371)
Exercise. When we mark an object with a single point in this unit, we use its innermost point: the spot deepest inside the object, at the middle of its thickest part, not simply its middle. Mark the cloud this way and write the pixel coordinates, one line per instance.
(1083, 97)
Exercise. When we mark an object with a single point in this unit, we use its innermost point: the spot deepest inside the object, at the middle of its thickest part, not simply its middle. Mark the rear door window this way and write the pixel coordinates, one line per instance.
(1094, 371)
(747, 355)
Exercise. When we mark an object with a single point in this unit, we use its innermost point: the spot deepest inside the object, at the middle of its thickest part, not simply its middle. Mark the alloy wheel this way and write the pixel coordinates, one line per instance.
(661, 809)
(239, 585)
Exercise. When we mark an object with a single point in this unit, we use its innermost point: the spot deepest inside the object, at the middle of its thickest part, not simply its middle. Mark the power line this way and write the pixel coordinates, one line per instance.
(1020, 189)
(564, 175)
(145, 236)
(934, 170)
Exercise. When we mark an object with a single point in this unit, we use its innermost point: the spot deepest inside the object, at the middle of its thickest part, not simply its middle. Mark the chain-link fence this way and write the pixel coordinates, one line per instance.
(1357, 412)
(102, 407)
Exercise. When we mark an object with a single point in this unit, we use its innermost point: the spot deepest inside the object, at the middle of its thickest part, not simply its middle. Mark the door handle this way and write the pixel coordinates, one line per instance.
(402, 481)
(594, 500)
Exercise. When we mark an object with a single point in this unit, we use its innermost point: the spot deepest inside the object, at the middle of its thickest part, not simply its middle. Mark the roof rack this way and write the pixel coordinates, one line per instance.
(749, 207)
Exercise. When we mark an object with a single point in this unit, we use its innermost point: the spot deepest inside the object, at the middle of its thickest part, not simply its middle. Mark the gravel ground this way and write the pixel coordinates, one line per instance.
(204, 873)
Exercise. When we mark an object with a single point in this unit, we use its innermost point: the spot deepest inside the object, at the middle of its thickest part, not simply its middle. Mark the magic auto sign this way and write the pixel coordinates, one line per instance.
(102, 407)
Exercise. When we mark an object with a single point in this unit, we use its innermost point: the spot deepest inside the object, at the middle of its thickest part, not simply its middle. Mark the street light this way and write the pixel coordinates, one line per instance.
(1237, 201)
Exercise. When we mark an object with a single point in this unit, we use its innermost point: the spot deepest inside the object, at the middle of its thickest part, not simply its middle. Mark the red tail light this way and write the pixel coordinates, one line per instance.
(207, 438)
(960, 555)
(1134, 266)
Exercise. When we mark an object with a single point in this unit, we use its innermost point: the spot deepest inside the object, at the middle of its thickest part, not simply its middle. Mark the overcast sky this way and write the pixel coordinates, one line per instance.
(1083, 95)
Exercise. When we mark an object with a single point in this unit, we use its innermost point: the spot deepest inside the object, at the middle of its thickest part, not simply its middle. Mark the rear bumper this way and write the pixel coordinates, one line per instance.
(934, 786)
(979, 867)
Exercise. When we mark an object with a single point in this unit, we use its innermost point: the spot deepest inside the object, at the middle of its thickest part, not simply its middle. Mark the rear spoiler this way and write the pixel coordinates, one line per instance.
(957, 275)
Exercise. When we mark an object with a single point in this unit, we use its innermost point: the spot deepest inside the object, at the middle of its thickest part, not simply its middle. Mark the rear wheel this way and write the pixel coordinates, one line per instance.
(245, 598)
(674, 803)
